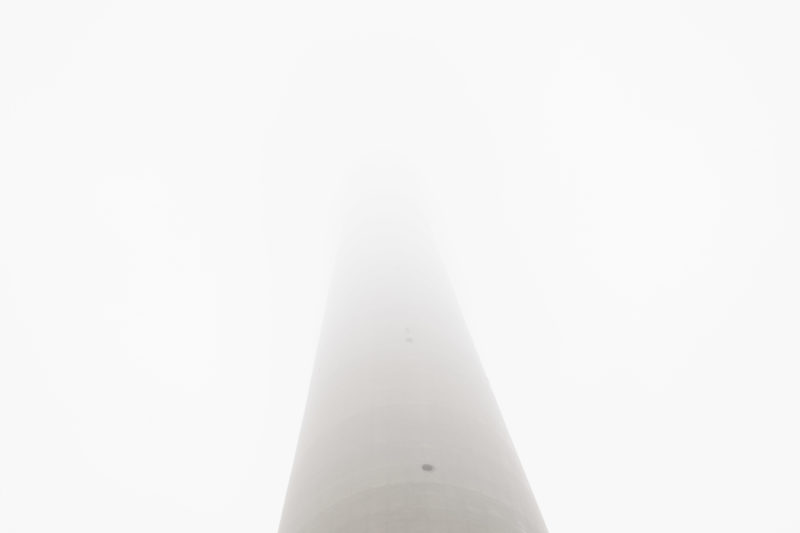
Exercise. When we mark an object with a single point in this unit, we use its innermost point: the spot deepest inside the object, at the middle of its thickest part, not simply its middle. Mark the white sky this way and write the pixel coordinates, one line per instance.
(613, 185)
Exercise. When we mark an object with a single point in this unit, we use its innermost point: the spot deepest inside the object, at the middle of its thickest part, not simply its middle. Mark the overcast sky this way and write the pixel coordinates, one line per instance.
(614, 188)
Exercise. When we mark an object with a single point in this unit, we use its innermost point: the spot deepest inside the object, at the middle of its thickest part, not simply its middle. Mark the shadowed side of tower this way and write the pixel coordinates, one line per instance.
(401, 431)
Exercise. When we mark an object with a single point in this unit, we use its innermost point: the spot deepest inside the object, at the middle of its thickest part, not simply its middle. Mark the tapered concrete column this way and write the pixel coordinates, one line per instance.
(401, 431)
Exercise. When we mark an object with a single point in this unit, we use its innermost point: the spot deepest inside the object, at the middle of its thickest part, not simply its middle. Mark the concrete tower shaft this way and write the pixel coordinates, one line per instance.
(401, 431)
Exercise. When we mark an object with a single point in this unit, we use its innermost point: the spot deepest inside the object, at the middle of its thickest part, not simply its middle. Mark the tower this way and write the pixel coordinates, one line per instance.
(401, 432)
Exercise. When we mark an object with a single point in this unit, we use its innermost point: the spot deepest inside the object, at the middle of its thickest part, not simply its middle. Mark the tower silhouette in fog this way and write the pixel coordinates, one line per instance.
(401, 431)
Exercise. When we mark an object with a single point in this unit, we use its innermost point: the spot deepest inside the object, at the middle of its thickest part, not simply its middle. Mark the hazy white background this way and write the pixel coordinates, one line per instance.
(614, 187)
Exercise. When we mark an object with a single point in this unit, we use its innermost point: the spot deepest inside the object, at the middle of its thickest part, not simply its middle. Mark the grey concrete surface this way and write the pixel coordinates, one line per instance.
(401, 431)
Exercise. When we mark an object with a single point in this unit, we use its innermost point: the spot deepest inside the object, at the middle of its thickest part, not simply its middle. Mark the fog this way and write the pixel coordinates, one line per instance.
(613, 189)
